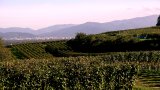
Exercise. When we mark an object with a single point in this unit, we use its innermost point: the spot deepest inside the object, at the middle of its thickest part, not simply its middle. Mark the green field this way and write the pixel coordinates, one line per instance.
(119, 60)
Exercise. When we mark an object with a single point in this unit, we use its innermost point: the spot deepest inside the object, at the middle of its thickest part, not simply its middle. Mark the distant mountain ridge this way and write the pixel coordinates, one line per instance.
(16, 35)
(95, 27)
(16, 29)
(70, 30)
(53, 28)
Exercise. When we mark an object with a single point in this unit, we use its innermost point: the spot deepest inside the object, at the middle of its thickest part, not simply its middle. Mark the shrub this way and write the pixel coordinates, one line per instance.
(5, 54)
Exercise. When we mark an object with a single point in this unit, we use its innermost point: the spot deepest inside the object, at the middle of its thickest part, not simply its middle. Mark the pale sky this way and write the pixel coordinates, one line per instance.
(42, 13)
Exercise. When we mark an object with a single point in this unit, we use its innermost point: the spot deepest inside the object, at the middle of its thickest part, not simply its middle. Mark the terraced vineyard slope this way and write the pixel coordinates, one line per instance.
(33, 50)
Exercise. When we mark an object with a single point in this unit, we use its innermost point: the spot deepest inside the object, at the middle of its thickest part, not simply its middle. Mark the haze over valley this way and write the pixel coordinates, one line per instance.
(67, 31)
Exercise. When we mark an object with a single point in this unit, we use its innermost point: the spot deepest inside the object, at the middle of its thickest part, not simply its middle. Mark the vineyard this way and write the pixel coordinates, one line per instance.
(67, 73)
(85, 63)
(149, 30)
(145, 39)
(92, 72)
(34, 50)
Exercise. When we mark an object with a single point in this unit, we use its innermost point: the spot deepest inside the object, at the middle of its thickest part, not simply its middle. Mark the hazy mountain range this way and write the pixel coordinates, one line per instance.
(70, 30)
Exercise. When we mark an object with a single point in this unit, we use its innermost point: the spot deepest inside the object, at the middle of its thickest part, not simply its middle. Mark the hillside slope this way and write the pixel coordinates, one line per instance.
(96, 44)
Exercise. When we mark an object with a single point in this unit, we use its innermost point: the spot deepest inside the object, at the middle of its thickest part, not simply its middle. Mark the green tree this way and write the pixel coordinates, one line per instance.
(80, 36)
(158, 21)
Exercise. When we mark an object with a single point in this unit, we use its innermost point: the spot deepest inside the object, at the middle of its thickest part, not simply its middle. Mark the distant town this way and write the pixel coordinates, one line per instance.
(38, 38)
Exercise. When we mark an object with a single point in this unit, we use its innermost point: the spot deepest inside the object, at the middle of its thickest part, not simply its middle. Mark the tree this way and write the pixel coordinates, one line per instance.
(5, 54)
(158, 21)
(80, 36)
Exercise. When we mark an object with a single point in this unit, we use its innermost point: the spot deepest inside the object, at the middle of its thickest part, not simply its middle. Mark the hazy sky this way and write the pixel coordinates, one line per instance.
(42, 13)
